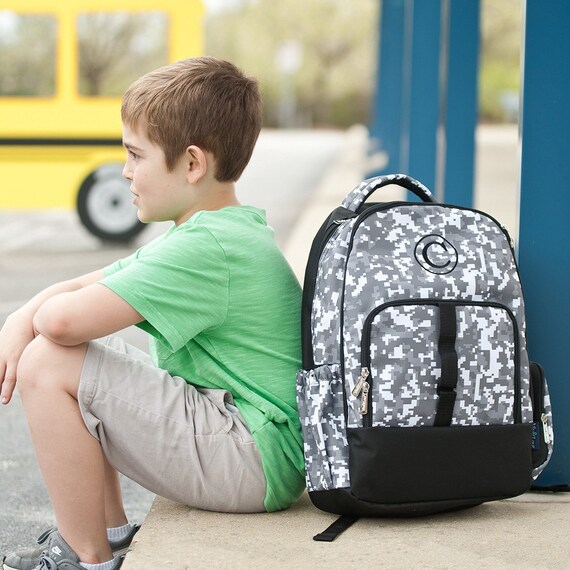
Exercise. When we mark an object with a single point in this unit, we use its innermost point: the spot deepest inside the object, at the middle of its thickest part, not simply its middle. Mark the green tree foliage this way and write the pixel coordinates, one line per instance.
(337, 41)
(116, 48)
(335, 83)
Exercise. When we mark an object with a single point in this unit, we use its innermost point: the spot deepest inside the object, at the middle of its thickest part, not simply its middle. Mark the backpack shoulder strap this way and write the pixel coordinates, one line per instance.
(319, 242)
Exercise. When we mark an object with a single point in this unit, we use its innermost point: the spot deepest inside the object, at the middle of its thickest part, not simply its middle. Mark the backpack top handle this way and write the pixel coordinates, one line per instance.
(361, 192)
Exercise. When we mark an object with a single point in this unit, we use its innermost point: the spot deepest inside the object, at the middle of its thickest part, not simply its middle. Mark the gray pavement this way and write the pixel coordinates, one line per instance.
(525, 533)
(41, 248)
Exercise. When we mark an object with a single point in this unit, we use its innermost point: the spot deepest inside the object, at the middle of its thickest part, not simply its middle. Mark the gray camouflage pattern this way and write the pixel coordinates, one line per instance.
(405, 367)
(383, 267)
(418, 254)
(327, 299)
(320, 400)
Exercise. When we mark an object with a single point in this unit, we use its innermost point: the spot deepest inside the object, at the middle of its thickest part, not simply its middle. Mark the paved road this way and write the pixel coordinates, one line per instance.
(38, 249)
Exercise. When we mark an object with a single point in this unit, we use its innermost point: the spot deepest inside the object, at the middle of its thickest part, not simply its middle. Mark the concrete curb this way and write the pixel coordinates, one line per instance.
(505, 534)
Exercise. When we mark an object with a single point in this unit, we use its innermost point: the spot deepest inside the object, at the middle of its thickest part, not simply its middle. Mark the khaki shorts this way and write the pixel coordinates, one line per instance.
(177, 441)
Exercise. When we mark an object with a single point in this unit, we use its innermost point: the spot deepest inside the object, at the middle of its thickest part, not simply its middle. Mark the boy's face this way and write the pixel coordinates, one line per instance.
(160, 194)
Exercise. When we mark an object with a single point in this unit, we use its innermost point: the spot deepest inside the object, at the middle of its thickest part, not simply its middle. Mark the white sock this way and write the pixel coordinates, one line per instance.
(119, 532)
(102, 566)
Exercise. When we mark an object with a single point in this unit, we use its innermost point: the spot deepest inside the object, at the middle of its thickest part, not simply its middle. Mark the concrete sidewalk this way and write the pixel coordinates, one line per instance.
(525, 533)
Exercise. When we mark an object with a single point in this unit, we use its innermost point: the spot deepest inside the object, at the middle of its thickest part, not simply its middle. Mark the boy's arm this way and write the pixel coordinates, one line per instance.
(68, 313)
(17, 332)
(91, 312)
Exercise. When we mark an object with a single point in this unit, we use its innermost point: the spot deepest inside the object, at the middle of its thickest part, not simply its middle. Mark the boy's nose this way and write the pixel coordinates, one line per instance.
(127, 174)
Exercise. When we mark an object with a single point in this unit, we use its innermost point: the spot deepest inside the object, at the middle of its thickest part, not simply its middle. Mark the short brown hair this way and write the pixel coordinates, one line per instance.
(202, 101)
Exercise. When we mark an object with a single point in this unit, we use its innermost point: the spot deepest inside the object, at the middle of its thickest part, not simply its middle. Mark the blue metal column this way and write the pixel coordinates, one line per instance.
(459, 95)
(406, 104)
(424, 91)
(386, 125)
(426, 98)
(544, 251)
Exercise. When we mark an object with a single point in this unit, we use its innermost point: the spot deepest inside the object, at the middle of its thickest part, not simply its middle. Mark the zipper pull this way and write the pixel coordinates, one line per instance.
(364, 373)
(364, 398)
(545, 433)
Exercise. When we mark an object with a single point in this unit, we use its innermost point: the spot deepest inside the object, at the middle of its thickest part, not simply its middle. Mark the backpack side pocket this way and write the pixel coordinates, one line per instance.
(542, 429)
(320, 402)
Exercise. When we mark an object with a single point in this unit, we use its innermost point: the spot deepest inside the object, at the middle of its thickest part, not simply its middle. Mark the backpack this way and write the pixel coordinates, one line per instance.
(416, 394)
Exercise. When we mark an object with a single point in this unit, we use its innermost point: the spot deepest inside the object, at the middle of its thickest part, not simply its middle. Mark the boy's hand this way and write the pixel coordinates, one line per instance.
(18, 330)
(15, 335)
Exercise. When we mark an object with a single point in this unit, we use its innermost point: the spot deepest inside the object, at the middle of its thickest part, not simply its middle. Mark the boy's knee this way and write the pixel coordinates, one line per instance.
(47, 365)
(32, 362)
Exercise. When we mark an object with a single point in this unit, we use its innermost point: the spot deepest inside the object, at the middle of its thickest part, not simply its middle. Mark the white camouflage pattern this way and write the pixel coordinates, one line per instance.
(404, 391)
(322, 420)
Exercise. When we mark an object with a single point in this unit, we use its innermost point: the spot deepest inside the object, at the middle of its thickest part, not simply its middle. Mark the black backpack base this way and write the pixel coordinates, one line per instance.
(453, 466)
(344, 503)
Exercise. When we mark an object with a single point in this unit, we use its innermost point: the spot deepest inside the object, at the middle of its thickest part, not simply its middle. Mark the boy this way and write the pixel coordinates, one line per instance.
(210, 420)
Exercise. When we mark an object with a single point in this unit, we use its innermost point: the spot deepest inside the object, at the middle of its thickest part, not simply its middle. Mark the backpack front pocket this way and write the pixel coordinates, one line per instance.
(416, 353)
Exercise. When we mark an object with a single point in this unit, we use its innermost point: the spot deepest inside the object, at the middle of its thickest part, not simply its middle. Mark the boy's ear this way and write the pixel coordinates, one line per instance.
(197, 164)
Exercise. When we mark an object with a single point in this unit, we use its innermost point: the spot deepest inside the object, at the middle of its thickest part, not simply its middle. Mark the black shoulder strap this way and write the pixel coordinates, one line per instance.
(319, 242)
(335, 529)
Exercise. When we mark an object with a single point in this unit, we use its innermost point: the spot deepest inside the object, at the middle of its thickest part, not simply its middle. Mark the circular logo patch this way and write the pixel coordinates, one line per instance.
(436, 255)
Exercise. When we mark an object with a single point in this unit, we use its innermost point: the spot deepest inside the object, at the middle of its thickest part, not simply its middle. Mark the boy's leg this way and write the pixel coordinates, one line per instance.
(173, 439)
(114, 511)
(70, 458)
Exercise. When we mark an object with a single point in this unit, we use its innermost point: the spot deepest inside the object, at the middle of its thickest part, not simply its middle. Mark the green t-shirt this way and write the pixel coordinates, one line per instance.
(222, 307)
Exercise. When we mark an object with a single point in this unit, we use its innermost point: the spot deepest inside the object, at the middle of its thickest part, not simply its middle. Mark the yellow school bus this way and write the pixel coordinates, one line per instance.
(63, 67)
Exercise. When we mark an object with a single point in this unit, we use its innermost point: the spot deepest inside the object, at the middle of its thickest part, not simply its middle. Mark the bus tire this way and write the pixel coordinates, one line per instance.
(105, 208)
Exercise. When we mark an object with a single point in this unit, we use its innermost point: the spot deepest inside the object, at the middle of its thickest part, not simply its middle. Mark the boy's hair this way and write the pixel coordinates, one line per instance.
(202, 101)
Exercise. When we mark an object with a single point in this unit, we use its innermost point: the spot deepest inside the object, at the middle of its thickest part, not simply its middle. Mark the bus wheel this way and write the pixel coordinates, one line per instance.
(104, 205)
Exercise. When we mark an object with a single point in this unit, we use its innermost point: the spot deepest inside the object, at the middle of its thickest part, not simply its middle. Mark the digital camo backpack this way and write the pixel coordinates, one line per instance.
(416, 394)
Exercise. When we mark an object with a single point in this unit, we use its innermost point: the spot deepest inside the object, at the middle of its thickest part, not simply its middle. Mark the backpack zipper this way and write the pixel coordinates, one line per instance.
(537, 399)
(362, 386)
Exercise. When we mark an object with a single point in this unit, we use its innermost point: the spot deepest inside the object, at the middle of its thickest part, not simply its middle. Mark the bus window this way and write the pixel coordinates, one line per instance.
(27, 67)
(115, 48)
(63, 68)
